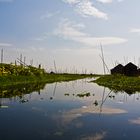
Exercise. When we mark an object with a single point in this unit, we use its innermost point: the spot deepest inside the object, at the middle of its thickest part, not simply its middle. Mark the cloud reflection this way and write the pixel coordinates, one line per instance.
(135, 121)
(73, 114)
(97, 136)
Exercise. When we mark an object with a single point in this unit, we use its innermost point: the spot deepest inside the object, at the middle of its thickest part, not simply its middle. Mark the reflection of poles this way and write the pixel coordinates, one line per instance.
(125, 97)
(104, 99)
(0, 102)
(39, 92)
(134, 97)
(54, 89)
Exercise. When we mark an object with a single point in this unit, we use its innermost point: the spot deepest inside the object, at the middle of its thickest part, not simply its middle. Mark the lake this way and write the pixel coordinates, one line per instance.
(57, 111)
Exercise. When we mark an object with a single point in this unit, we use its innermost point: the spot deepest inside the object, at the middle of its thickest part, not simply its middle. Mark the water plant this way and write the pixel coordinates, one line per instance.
(96, 103)
(120, 83)
(66, 94)
(87, 94)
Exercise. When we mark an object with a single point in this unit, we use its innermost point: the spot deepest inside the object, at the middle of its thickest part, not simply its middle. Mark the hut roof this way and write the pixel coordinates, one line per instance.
(130, 64)
(118, 66)
(117, 70)
(130, 69)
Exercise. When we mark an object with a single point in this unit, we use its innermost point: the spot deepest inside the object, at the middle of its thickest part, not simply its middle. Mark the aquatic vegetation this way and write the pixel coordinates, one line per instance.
(3, 106)
(111, 96)
(96, 103)
(20, 90)
(23, 101)
(120, 83)
(66, 94)
(8, 80)
(87, 94)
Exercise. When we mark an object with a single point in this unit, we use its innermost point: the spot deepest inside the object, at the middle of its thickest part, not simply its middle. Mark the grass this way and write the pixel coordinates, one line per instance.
(11, 86)
(12, 80)
(20, 90)
(120, 83)
(13, 74)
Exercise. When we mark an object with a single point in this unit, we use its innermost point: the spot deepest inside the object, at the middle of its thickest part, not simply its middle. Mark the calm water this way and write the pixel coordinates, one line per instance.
(55, 112)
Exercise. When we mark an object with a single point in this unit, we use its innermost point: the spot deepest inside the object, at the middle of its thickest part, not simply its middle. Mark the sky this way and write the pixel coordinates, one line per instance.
(71, 33)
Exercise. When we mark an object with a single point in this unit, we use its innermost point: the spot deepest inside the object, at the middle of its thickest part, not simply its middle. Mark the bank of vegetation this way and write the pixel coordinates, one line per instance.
(120, 83)
(11, 75)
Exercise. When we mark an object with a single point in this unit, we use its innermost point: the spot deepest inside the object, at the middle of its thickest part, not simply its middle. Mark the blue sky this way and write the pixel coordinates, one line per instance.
(70, 32)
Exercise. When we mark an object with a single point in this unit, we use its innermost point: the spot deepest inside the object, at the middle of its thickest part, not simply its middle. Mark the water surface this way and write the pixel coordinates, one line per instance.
(56, 112)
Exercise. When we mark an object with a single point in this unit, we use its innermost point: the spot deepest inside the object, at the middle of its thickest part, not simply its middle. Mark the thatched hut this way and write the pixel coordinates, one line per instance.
(130, 70)
(139, 72)
(117, 70)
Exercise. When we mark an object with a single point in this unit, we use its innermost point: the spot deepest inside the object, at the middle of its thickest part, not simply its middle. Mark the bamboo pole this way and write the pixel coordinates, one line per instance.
(1, 56)
(55, 67)
(105, 65)
(103, 58)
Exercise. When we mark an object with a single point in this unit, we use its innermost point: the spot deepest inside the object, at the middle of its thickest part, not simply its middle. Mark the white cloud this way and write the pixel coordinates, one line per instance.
(105, 1)
(134, 30)
(43, 37)
(108, 1)
(86, 8)
(5, 45)
(49, 15)
(71, 1)
(68, 31)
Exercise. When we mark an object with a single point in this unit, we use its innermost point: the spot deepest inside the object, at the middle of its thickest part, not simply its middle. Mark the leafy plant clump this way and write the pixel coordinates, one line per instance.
(87, 94)
(120, 83)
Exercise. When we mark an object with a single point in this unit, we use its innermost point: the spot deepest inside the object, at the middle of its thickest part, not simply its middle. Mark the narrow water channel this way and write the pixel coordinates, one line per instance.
(76, 110)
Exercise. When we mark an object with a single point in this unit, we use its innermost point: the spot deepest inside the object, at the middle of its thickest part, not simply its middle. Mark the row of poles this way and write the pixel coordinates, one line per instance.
(21, 60)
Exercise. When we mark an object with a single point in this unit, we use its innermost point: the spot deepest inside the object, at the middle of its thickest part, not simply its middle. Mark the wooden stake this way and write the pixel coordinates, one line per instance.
(55, 67)
(1, 56)
(103, 59)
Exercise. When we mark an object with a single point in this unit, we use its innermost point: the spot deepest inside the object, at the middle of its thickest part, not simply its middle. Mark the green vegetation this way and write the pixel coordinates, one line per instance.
(85, 94)
(45, 78)
(20, 90)
(12, 74)
(66, 94)
(120, 83)
(16, 70)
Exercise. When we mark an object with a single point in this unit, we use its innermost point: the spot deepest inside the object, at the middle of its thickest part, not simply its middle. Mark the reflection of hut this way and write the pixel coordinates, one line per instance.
(130, 69)
(117, 70)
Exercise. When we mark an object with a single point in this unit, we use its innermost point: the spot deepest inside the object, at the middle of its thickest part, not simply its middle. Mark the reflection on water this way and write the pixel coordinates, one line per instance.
(20, 90)
(97, 136)
(76, 110)
(69, 116)
(135, 121)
